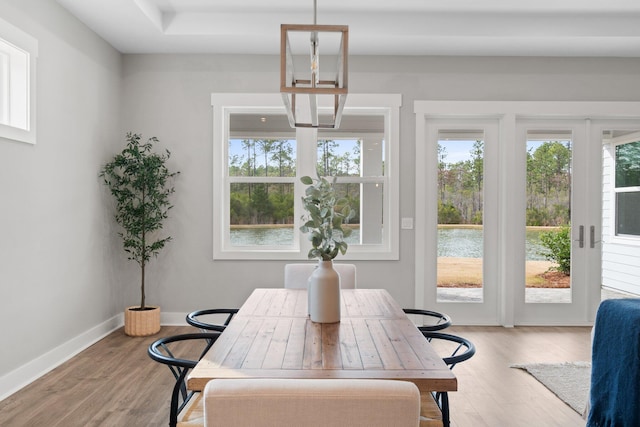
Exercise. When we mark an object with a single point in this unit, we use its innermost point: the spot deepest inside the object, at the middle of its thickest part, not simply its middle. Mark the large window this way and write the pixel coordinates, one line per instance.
(627, 188)
(261, 172)
(258, 162)
(18, 53)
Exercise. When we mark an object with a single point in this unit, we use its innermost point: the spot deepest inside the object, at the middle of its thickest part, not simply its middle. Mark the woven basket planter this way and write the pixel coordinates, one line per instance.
(141, 323)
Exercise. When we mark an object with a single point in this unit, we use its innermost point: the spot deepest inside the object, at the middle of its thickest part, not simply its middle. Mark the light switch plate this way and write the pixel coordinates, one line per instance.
(407, 224)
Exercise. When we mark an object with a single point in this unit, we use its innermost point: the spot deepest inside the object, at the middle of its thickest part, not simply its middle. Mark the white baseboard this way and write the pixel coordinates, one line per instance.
(31, 371)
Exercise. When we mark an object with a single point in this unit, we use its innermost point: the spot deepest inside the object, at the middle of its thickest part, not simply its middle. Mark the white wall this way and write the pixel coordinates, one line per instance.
(58, 264)
(168, 96)
(620, 255)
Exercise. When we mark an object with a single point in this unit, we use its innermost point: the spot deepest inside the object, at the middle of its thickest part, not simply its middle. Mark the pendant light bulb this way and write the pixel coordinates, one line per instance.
(315, 61)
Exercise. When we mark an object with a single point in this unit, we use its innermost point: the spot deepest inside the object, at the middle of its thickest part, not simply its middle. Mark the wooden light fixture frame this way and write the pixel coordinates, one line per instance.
(291, 86)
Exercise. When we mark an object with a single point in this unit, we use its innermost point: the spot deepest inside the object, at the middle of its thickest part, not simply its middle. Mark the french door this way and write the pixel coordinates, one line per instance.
(461, 238)
(509, 200)
(563, 193)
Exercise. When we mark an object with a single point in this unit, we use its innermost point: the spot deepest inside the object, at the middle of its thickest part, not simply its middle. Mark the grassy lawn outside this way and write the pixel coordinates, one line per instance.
(467, 273)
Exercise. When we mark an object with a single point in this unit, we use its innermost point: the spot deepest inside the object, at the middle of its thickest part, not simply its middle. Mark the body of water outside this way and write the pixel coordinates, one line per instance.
(279, 236)
(452, 242)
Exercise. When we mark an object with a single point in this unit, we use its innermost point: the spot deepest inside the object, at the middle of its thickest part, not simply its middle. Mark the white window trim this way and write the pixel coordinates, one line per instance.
(28, 44)
(624, 239)
(223, 103)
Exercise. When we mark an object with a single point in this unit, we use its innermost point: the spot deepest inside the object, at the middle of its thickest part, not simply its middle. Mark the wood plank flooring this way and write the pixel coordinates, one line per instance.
(491, 394)
(114, 383)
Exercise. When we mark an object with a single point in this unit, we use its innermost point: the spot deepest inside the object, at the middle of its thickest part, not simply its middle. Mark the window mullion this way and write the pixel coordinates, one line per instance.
(306, 166)
(361, 180)
(627, 189)
(261, 179)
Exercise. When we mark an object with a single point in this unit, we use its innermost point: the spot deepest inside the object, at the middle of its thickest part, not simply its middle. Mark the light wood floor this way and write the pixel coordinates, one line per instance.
(491, 394)
(115, 384)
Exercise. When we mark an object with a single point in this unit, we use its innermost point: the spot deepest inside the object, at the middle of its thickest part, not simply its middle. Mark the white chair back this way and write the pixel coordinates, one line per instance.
(347, 275)
(297, 275)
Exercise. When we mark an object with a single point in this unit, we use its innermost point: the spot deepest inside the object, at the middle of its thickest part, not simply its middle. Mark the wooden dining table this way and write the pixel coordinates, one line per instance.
(272, 336)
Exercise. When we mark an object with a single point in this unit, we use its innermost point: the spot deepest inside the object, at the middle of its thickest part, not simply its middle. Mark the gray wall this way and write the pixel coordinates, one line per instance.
(169, 96)
(58, 267)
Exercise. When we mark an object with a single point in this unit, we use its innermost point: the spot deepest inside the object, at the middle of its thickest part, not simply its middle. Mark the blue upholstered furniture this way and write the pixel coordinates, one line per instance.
(615, 368)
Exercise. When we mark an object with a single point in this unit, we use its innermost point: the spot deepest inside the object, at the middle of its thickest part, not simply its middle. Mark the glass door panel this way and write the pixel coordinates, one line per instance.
(460, 216)
(548, 212)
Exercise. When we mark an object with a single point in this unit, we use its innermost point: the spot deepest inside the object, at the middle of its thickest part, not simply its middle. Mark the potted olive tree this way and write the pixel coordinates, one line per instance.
(324, 224)
(141, 184)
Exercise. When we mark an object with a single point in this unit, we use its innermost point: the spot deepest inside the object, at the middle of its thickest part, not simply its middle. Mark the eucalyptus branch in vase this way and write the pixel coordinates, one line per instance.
(325, 217)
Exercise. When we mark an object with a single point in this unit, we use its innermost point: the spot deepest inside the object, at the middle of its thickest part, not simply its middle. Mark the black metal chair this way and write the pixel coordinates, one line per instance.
(459, 350)
(436, 321)
(181, 353)
(196, 318)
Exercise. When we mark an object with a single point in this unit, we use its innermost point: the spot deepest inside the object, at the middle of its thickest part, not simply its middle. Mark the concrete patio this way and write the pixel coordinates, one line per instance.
(533, 295)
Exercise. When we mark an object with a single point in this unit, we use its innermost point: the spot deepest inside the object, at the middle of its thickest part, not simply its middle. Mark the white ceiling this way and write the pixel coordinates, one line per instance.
(393, 27)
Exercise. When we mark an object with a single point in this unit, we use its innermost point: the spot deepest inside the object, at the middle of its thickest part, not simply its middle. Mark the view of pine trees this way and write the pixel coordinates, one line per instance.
(272, 202)
(628, 165)
(549, 184)
(460, 185)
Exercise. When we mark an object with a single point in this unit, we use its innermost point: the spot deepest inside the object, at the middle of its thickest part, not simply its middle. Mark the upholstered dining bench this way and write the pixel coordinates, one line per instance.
(262, 402)
(193, 414)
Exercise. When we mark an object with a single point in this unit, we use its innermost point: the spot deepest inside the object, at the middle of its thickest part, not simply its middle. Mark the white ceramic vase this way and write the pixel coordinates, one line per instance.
(324, 294)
